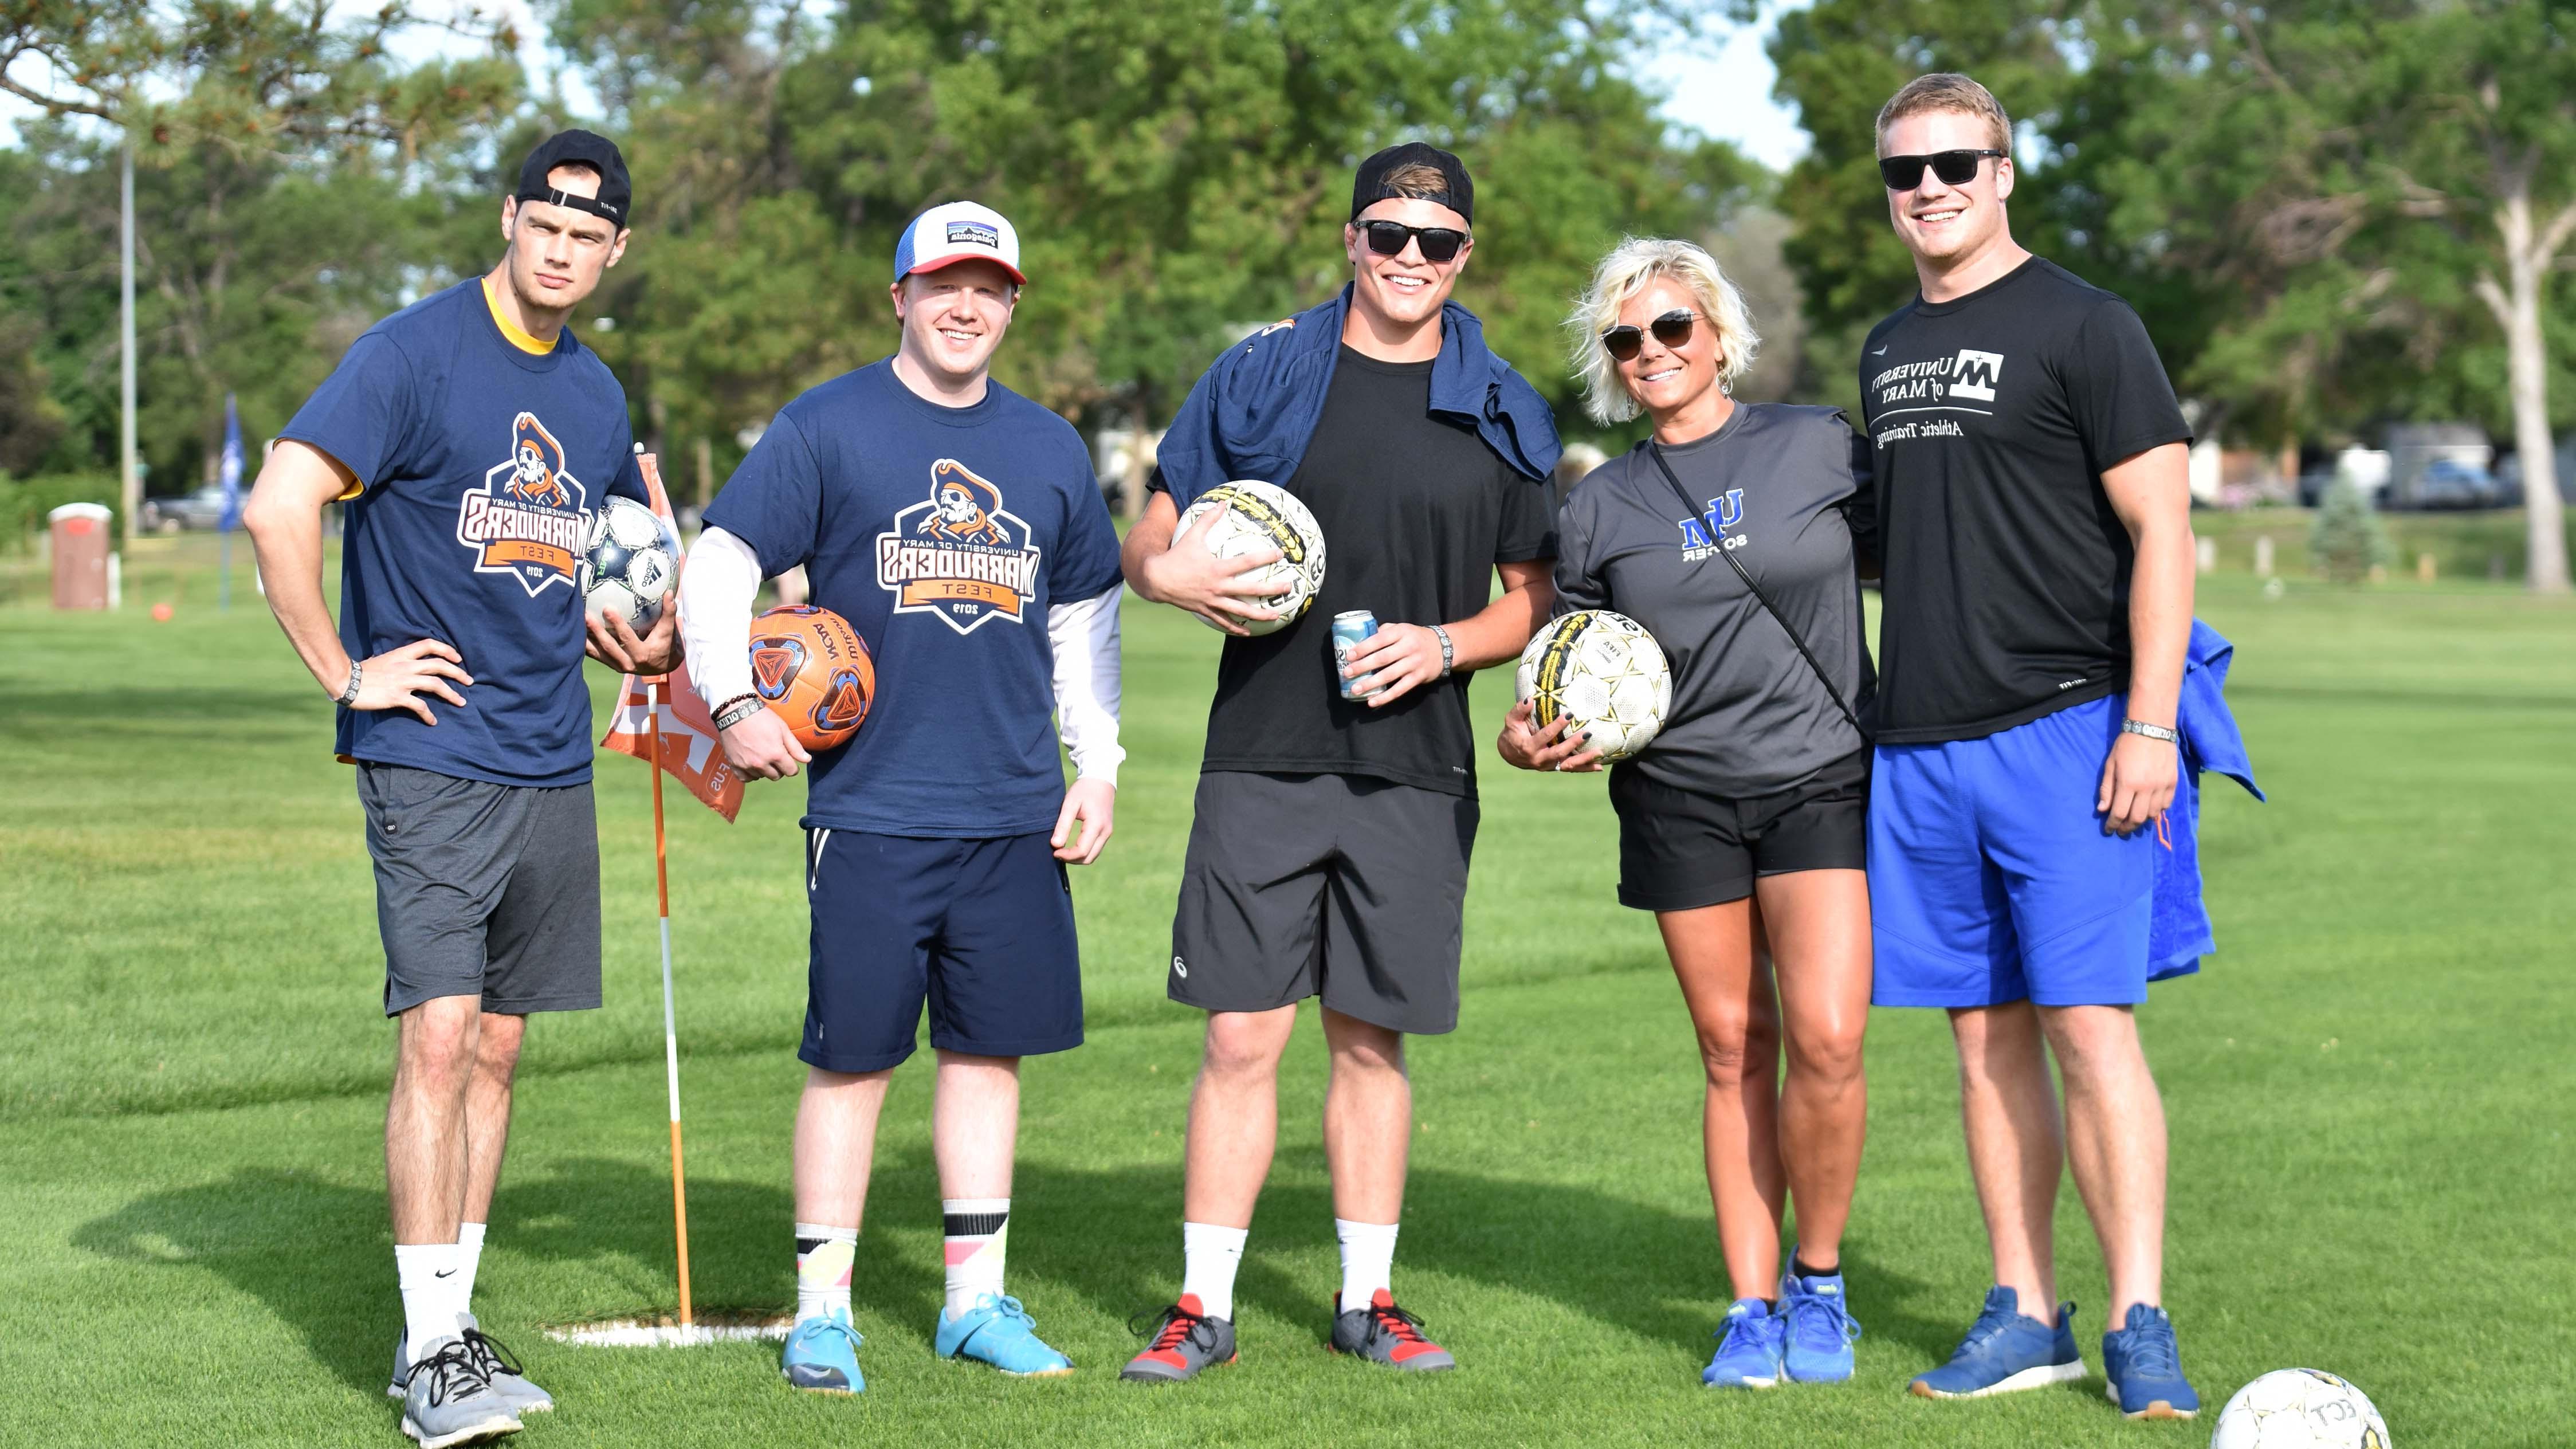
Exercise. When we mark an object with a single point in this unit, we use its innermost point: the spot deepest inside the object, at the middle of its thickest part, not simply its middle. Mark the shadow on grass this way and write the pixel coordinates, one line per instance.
(315, 1253)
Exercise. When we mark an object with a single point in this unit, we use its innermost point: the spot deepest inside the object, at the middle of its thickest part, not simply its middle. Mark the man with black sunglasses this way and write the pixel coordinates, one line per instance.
(2035, 540)
(1329, 854)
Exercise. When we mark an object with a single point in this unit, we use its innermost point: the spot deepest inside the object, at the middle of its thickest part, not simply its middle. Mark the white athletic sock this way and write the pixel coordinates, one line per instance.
(1368, 1260)
(823, 1258)
(469, 1251)
(977, 1232)
(429, 1274)
(1209, 1256)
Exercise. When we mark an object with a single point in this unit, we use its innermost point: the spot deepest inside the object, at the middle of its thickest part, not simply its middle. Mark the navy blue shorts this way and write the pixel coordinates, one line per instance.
(1990, 878)
(979, 930)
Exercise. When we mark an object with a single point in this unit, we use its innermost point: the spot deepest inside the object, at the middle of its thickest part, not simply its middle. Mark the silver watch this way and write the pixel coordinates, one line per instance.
(349, 695)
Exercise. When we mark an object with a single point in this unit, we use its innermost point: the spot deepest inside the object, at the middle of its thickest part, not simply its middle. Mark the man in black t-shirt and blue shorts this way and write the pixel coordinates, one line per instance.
(2035, 537)
(1329, 854)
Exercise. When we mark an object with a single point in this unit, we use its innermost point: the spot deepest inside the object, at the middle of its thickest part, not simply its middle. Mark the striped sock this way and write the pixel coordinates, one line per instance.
(823, 1258)
(978, 1231)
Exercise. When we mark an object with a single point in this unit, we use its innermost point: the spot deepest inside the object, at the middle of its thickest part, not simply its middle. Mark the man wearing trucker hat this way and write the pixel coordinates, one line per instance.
(958, 527)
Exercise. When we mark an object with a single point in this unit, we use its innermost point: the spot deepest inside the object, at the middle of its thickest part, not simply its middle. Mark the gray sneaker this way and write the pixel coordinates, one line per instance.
(500, 1368)
(449, 1401)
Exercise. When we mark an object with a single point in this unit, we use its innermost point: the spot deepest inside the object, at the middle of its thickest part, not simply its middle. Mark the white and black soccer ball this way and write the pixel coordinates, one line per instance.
(629, 565)
(2299, 1409)
(1604, 674)
(1258, 516)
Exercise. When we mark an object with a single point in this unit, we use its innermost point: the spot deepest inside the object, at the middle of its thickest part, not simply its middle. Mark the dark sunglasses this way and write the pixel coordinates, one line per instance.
(1624, 342)
(1955, 168)
(1439, 243)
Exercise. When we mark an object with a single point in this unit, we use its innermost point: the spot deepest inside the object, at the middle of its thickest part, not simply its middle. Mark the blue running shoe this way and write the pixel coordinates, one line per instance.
(1821, 1329)
(1748, 1351)
(2144, 1368)
(2005, 1352)
(822, 1356)
(997, 1331)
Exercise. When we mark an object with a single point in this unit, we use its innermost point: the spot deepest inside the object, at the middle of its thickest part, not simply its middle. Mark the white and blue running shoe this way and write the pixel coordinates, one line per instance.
(822, 1356)
(2005, 1352)
(1749, 1347)
(1821, 1329)
(998, 1331)
(2142, 1367)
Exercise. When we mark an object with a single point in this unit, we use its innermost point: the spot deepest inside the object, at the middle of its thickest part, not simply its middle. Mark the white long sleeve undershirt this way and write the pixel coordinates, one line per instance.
(722, 581)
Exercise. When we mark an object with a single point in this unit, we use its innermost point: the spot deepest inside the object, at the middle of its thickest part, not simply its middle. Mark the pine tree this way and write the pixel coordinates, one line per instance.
(2349, 539)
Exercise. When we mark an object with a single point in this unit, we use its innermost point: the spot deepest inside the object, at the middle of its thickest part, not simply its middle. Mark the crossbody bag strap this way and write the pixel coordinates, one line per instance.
(1691, 509)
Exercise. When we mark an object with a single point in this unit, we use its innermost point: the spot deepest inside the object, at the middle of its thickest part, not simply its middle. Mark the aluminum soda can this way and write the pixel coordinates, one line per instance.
(1349, 628)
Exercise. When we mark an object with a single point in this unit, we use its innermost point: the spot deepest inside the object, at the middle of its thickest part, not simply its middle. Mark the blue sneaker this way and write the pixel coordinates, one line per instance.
(997, 1331)
(2143, 1368)
(822, 1356)
(2005, 1352)
(1821, 1329)
(1748, 1353)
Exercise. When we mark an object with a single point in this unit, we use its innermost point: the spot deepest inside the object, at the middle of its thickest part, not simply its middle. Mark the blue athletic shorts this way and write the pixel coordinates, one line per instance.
(981, 931)
(1990, 877)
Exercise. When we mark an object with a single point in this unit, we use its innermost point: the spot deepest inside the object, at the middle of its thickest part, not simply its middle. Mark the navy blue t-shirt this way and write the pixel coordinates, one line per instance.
(943, 535)
(479, 465)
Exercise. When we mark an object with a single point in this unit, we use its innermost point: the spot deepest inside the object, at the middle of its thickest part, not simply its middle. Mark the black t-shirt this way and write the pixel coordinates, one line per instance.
(1416, 511)
(1776, 487)
(2005, 572)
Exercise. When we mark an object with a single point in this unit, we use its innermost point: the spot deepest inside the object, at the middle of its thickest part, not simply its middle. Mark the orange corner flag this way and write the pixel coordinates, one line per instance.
(676, 721)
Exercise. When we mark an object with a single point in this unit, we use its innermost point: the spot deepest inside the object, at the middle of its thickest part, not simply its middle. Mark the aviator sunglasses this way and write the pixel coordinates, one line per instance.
(1955, 168)
(1387, 239)
(1624, 341)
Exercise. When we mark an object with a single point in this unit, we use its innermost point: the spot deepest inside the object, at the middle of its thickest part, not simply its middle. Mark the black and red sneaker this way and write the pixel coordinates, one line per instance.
(1384, 1333)
(1185, 1342)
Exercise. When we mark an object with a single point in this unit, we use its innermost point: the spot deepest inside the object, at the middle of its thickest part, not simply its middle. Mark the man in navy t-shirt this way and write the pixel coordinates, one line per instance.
(958, 527)
(470, 437)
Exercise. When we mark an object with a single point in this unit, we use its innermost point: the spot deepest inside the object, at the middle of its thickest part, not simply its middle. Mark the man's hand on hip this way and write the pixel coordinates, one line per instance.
(397, 678)
(762, 747)
(2137, 782)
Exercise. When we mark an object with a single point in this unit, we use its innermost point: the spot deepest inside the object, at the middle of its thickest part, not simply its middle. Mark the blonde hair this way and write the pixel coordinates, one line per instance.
(1633, 266)
(1416, 179)
(1946, 91)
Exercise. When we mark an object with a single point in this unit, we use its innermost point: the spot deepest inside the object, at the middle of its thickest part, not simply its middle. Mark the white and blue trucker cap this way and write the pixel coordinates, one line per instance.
(957, 231)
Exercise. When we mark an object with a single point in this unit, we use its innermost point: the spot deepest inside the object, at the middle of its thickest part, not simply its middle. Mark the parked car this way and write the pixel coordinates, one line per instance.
(2450, 483)
(201, 511)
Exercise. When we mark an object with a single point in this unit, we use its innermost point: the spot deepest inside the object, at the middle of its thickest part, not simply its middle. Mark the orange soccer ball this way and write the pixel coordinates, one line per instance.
(812, 670)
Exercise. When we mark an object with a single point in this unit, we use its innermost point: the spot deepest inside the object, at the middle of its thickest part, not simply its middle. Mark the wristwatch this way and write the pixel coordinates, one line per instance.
(350, 695)
(2151, 731)
(735, 710)
(1448, 651)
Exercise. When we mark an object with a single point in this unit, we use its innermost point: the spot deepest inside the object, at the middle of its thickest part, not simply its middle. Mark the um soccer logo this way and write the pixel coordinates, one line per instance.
(959, 555)
(1723, 514)
(527, 519)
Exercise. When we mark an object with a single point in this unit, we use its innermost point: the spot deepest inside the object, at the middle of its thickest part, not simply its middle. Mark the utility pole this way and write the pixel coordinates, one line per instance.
(132, 477)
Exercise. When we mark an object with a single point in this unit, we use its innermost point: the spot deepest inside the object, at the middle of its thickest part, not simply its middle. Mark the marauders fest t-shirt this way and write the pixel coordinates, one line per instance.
(478, 465)
(942, 535)
(2006, 574)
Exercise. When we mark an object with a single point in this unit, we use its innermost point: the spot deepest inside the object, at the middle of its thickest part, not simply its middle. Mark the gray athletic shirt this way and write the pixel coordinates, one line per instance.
(1777, 486)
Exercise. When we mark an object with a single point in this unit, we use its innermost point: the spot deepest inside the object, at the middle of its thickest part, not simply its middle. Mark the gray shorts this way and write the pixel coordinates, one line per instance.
(483, 890)
(1340, 886)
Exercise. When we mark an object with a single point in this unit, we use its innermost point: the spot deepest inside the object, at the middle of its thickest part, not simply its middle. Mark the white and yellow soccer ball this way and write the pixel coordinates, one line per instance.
(2299, 1409)
(1257, 516)
(1604, 673)
(630, 564)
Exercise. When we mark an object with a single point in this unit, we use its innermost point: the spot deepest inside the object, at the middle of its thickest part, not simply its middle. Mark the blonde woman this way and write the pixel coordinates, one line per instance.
(1730, 535)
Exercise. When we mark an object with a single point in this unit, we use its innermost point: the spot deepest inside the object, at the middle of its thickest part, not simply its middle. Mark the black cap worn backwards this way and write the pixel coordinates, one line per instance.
(616, 199)
(1458, 192)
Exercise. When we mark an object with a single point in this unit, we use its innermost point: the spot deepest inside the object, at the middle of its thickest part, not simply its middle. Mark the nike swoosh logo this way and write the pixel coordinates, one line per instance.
(1878, 352)
(450, 1273)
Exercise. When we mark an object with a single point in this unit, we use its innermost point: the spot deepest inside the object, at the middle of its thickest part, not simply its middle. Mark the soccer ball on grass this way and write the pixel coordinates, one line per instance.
(2299, 1409)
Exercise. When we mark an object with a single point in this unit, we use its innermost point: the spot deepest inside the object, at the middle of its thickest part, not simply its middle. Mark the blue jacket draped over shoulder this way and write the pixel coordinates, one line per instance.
(1254, 411)
(2179, 933)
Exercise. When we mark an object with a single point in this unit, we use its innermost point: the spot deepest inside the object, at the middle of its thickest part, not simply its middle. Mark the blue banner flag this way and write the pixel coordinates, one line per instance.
(232, 467)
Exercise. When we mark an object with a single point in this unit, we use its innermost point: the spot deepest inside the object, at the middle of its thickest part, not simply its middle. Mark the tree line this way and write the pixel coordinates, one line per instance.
(2332, 213)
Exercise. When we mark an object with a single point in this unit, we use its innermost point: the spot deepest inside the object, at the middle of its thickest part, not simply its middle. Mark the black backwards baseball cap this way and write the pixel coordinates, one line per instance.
(1458, 193)
(616, 199)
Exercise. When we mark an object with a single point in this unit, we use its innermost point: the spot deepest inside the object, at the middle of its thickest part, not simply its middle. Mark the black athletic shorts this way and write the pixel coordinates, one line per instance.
(1681, 849)
(483, 890)
(1345, 887)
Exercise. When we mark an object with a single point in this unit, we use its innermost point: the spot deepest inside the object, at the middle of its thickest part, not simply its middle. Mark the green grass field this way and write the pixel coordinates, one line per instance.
(2369, 1088)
